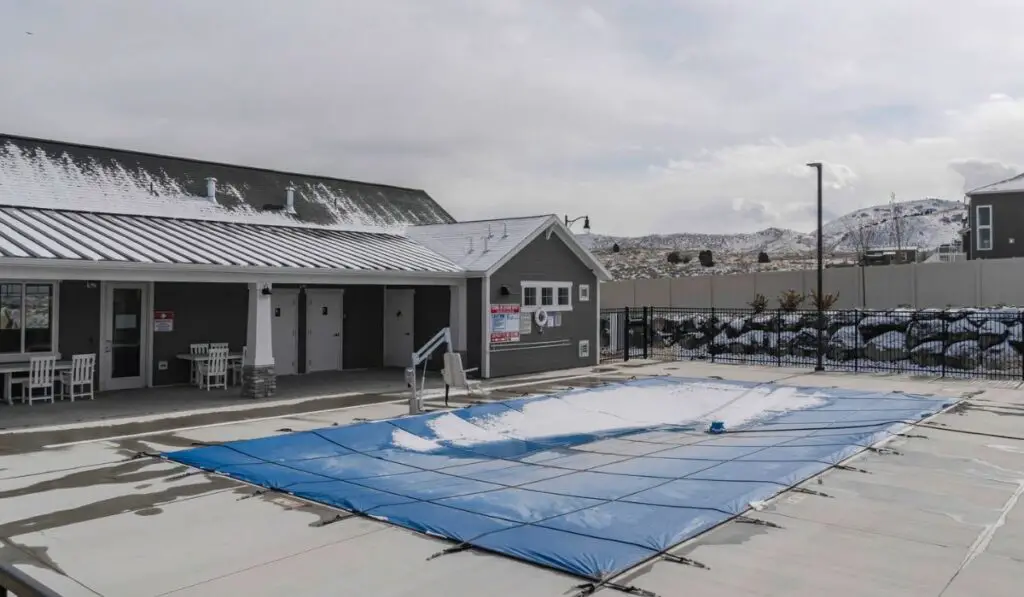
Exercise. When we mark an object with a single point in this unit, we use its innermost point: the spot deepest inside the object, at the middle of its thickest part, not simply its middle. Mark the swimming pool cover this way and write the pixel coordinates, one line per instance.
(591, 504)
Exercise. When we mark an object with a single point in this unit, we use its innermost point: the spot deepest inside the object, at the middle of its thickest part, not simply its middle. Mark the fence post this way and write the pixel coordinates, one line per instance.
(647, 330)
(778, 337)
(945, 342)
(856, 340)
(625, 333)
(712, 324)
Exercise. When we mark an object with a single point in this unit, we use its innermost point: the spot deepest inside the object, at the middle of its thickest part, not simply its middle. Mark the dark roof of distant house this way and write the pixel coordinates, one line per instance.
(56, 175)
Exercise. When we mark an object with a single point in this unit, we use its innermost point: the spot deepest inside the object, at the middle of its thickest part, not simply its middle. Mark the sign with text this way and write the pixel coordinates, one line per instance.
(504, 324)
(163, 321)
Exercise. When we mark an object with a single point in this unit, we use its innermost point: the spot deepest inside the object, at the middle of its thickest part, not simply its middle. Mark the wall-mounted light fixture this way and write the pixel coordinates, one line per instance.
(265, 290)
(505, 290)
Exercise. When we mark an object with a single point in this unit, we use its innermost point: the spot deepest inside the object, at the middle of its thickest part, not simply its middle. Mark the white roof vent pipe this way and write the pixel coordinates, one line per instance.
(289, 206)
(470, 245)
(504, 233)
(485, 242)
(211, 189)
(489, 233)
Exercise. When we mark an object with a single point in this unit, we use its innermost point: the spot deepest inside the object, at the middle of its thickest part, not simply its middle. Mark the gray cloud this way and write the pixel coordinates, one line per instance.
(505, 107)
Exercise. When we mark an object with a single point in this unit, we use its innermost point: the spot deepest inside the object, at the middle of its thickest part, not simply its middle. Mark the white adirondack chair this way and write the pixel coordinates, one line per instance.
(196, 350)
(236, 367)
(77, 382)
(39, 385)
(213, 372)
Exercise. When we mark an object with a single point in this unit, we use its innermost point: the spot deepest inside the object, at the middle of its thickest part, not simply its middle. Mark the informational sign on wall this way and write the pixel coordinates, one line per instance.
(504, 323)
(163, 321)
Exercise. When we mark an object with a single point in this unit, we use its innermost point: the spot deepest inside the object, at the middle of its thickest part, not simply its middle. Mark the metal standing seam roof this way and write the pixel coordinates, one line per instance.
(477, 246)
(88, 236)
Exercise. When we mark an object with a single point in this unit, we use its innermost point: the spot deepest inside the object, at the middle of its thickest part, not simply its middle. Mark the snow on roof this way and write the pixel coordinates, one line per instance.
(477, 246)
(1010, 185)
(47, 174)
(89, 236)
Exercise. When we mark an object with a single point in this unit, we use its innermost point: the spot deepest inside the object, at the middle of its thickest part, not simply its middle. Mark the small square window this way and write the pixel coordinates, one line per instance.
(563, 295)
(584, 293)
(529, 296)
(547, 296)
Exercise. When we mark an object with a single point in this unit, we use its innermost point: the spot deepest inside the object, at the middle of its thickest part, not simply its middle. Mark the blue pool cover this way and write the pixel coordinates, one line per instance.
(592, 505)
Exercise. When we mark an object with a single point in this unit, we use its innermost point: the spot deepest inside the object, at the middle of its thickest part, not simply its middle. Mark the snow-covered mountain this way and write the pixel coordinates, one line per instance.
(925, 224)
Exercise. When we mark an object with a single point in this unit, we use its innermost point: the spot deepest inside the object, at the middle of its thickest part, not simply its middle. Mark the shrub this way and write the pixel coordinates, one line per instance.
(762, 257)
(687, 259)
(791, 300)
(759, 304)
(615, 248)
(826, 302)
(675, 257)
(706, 258)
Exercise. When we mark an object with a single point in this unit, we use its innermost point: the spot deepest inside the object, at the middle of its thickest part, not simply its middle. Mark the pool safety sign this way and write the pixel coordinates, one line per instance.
(504, 324)
(163, 321)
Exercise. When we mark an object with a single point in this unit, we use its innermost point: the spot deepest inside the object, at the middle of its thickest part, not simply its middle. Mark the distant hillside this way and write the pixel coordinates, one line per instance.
(925, 223)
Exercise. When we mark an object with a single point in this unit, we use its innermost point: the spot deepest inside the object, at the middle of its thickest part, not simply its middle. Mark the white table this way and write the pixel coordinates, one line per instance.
(9, 369)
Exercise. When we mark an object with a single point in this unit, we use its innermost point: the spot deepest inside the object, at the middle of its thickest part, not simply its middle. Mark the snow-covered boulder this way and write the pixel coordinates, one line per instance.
(926, 330)
(928, 354)
(845, 344)
(877, 325)
(964, 355)
(991, 333)
(1002, 357)
(960, 330)
(890, 346)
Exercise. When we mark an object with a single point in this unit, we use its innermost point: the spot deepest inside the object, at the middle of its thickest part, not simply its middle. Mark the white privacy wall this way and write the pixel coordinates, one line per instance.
(977, 283)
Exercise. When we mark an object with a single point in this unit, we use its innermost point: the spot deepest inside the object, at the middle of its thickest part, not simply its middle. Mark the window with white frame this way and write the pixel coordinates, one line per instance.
(26, 317)
(550, 296)
(584, 293)
(983, 224)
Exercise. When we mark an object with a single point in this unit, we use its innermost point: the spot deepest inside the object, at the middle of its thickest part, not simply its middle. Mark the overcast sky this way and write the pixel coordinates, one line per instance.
(650, 116)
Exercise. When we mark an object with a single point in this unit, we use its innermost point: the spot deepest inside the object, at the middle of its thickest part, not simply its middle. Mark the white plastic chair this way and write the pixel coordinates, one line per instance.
(213, 372)
(77, 382)
(236, 368)
(196, 350)
(40, 381)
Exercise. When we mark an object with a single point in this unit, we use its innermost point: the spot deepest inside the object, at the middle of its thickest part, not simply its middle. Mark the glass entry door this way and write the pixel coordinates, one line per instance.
(125, 337)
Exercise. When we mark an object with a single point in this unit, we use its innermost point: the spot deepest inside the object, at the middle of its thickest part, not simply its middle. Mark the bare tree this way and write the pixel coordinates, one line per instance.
(862, 238)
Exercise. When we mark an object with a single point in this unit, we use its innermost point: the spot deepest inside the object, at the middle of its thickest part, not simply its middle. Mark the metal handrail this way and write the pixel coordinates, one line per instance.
(14, 582)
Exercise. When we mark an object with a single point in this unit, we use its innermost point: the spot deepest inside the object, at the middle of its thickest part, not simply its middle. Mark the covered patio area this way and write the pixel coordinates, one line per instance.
(295, 394)
(140, 293)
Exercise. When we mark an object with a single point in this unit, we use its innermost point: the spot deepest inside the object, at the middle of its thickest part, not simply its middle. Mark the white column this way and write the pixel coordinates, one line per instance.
(259, 342)
(457, 316)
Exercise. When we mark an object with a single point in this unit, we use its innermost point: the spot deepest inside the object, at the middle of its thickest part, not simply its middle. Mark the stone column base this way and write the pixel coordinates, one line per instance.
(258, 382)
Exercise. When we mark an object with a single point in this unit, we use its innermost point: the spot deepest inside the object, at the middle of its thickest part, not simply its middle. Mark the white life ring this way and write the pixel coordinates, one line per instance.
(541, 317)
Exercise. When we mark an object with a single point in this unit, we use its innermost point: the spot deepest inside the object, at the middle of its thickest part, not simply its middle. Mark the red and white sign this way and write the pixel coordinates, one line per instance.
(504, 323)
(163, 321)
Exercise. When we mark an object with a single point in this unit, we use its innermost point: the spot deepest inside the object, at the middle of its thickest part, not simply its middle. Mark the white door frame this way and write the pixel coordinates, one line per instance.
(341, 334)
(384, 326)
(145, 378)
(290, 293)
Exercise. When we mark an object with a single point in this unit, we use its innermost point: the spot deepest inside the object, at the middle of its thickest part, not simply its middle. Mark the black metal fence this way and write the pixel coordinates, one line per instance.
(970, 343)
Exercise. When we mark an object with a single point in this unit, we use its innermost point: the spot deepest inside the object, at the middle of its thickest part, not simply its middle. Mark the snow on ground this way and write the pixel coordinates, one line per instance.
(613, 408)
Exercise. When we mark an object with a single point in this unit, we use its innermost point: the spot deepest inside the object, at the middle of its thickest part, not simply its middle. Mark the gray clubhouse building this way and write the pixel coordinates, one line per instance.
(135, 258)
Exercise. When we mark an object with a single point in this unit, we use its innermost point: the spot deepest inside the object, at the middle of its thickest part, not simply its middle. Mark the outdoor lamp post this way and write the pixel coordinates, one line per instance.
(819, 366)
(586, 222)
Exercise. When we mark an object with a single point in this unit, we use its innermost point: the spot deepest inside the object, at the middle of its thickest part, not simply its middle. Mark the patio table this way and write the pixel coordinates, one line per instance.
(9, 369)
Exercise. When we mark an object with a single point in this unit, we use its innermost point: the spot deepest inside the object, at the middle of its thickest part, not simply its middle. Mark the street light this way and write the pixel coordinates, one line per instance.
(586, 222)
(819, 366)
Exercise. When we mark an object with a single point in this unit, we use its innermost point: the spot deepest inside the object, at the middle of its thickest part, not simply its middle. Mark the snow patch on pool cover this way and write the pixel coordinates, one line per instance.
(591, 482)
(614, 408)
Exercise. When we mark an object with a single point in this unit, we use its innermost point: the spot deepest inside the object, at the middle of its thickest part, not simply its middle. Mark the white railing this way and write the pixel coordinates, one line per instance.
(442, 338)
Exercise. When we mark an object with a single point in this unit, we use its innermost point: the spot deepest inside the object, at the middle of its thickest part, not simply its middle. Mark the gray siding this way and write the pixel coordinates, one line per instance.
(202, 313)
(79, 320)
(1007, 223)
(547, 260)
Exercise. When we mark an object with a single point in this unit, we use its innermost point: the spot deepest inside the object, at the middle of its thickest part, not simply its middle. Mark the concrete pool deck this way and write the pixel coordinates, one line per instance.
(938, 516)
